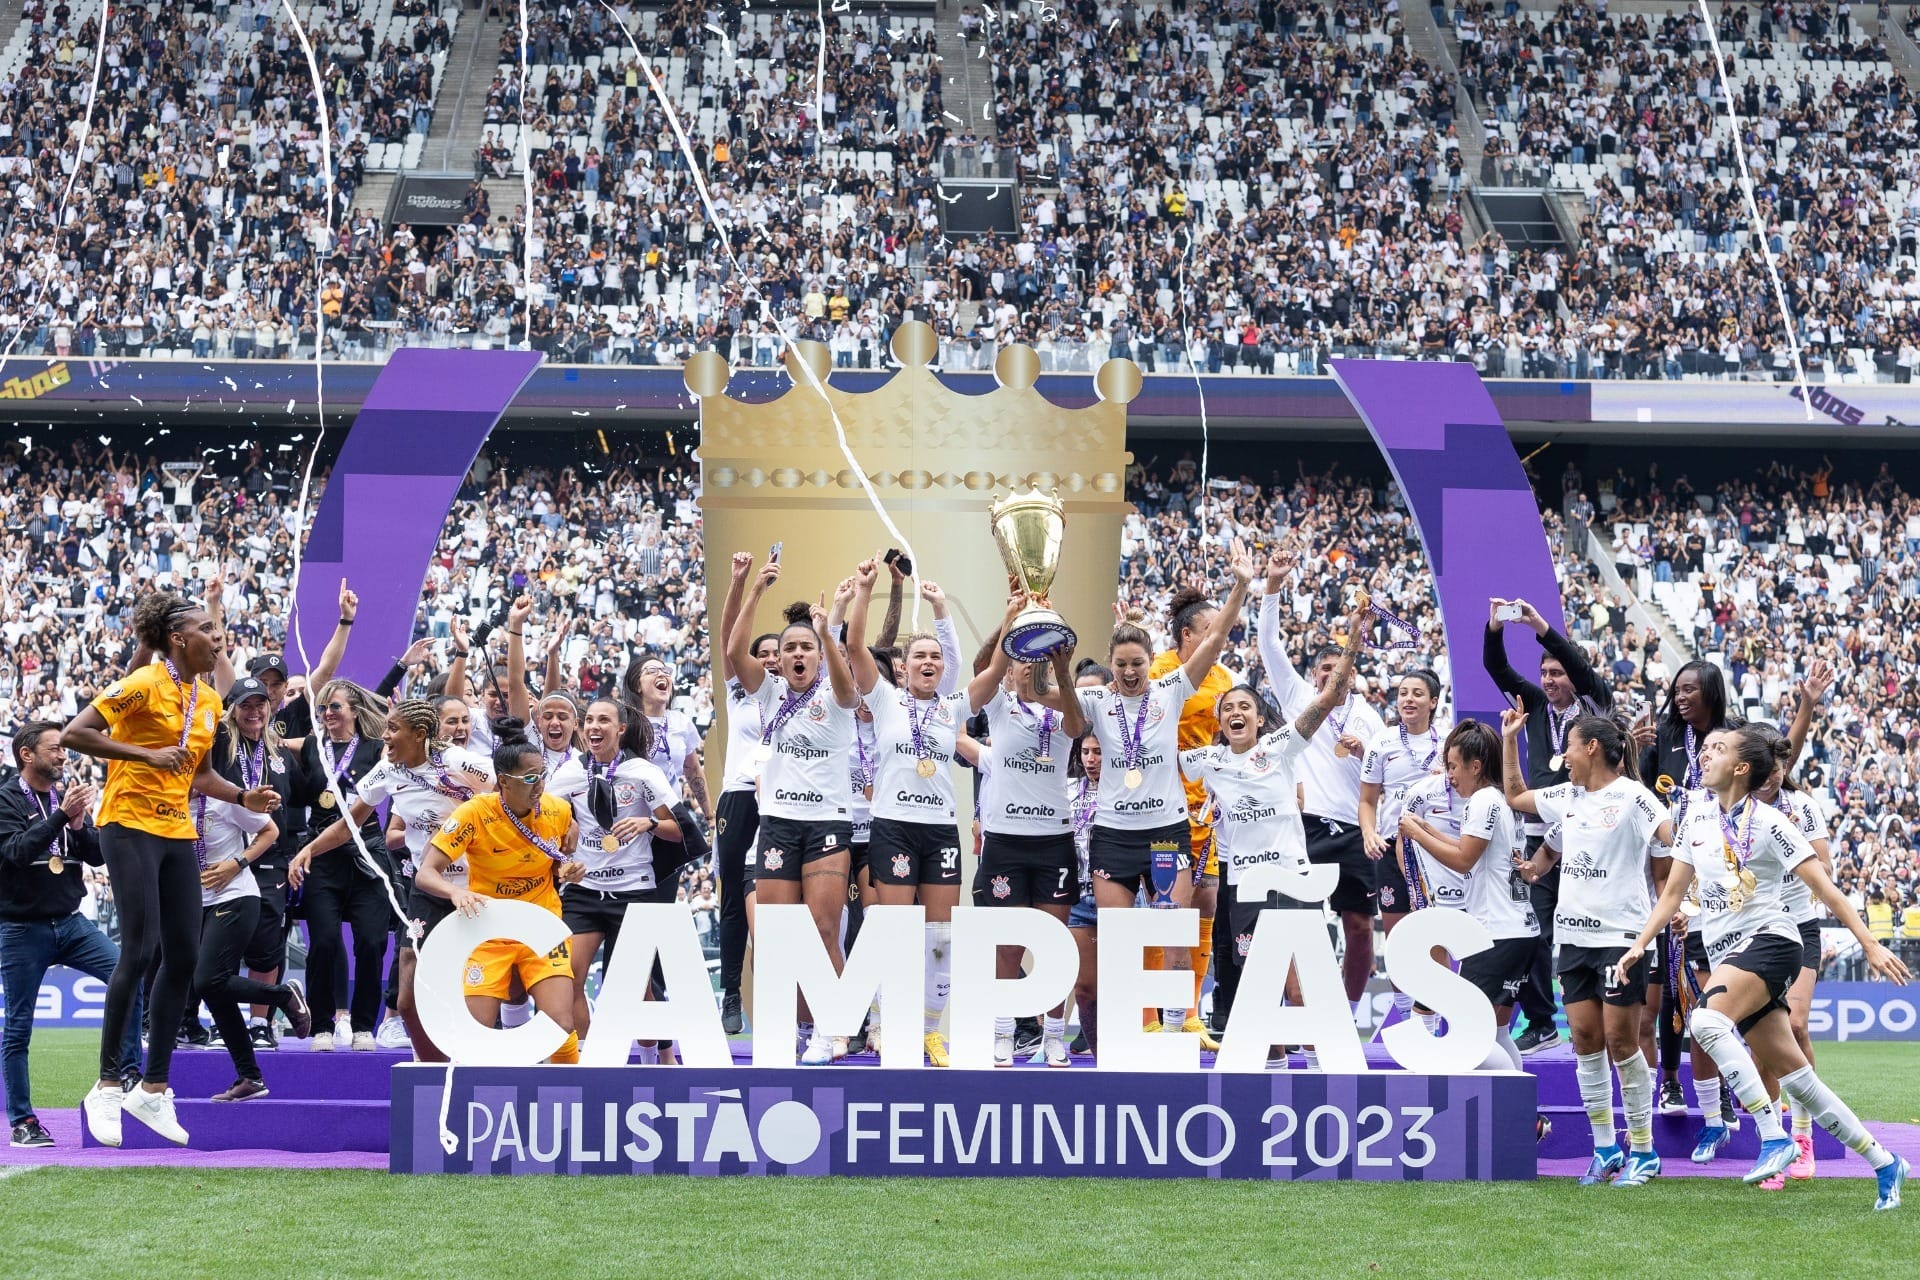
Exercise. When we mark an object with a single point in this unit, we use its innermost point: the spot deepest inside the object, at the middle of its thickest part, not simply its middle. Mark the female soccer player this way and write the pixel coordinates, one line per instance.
(807, 731)
(1398, 758)
(456, 720)
(1469, 845)
(1140, 836)
(1609, 822)
(154, 728)
(673, 747)
(737, 816)
(1027, 855)
(1190, 616)
(1252, 774)
(621, 801)
(232, 839)
(1083, 796)
(517, 843)
(913, 852)
(1741, 849)
(352, 890)
(423, 779)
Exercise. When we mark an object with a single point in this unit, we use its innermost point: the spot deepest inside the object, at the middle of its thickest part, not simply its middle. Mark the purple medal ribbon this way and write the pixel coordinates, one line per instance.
(1557, 728)
(1739, 844)
(60, 837)
(193, 700)
(200, 830)
(444, 783)
(1410, 634)
(1085, 806)
(1432, 737)
(917, 725)
(339, 766)
(789, 705)
(1346, 713)
(1693, 759)
(1047, 719)
(253, 767)
(1132, 751)
(545, 846)
(662, 744)
(863, 776)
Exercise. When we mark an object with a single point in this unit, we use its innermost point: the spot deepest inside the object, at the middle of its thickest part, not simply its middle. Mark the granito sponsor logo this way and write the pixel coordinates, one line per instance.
(164, 810)
(1031, 811)
(915, 797)
(1140, 806)
(799, 797)
(1576, 922)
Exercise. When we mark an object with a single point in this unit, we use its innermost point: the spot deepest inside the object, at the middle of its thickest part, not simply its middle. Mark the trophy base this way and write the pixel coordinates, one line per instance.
(1036, 635)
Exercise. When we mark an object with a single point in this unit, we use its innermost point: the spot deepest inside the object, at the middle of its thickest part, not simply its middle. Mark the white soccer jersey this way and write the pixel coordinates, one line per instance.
(1764, 841)
(744, 723)
(1430, 797)
(1395, 760)
(674, 739)
(1028, 769)
(805, 779)
(1604, 898)
(1151, 724)
(638, 789)
(1496, 895)
(1258, 819)
(1797, 897)
(226, 829)
(907, 730)
(1332, 780)
(423, 795)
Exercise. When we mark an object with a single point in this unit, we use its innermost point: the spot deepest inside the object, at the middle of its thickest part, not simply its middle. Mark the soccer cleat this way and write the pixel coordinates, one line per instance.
(1003, 1051)
(1606, 1163)
(1193, 1026)
(299, 1015)
(1802, 1167)
(1775, 1155)
(1891, 1179)
(155, 1110)
(1056, 1051)
(1080, 1045)
(363, 1042)
(1672, 1101)
(323, 1042)
(1542, 1127)
(730, 1020)
(1534, 1039)
(1712, 1138)
(1642, 1167)
(1026, 1042)
(819, 1052)
(104, 1107)
(241, 1090)
(936, 1049)
(1777, 1182)
(29, 1133)
(393, 1034)
(261, 1033)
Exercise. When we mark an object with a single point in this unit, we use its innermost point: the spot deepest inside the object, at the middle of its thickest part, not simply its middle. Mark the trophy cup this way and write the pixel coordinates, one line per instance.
(1028, 527)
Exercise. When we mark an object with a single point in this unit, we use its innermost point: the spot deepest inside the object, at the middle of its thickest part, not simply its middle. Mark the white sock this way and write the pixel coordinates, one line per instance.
(1636, 1095)
(1811, 1094)
(804, 1030)
(1173, 1019)
(939, 971)
(1313, 1059)
(1052, 1028)
(1714, 1032)
(1431, 1021)
(1802, 1119)
(1504, 1056)
(516, 1015)
(1596, 1096)
(1708, 1091)
(1403, 1002)
(649, 1053)
(1003, 1028)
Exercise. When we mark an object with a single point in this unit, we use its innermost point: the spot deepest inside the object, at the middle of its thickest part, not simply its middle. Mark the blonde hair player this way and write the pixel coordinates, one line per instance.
(1741, 849)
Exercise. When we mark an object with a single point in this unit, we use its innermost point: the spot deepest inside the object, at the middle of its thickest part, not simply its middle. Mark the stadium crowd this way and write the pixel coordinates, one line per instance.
(1223, 186)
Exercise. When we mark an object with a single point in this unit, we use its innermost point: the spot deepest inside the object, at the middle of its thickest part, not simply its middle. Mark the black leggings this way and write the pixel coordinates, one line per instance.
(225, 930)
(359, 901)
(156, 891)
(1226, 956)
(738, 820)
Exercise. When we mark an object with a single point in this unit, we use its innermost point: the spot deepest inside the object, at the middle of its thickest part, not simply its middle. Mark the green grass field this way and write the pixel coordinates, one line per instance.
(269, 1224)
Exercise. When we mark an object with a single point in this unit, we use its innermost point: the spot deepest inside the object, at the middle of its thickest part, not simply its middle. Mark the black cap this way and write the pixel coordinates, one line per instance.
(268, 662)
(242, 689)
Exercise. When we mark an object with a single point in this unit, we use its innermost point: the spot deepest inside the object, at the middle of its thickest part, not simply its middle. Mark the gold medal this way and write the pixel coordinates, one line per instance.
(326, 800)
(1747, 881)
(609, 843)
(1340, 751)
(1133, 778)
(1555, 763)
(56, 864)
(1043, 759)
(926, 768)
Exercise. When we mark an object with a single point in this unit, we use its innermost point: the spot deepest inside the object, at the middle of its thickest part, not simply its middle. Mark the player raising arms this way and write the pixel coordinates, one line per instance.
(1741, 849)
(1140, 834)
(806, 704)
(516, 843)
(737, 815)
(913, 852)
(1609, 821)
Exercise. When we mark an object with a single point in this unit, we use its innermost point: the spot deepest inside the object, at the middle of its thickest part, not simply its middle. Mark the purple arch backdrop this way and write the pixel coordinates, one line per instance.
(416, 436)
(1475, 511)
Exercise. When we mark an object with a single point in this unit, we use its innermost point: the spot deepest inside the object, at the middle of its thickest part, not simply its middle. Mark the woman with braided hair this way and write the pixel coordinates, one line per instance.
(426, 779)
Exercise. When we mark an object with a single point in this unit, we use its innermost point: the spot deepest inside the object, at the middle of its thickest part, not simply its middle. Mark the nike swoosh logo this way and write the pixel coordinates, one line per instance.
(221, 915)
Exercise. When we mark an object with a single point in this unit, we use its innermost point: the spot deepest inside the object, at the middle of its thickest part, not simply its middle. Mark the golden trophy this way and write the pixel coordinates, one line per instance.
(1027, 527)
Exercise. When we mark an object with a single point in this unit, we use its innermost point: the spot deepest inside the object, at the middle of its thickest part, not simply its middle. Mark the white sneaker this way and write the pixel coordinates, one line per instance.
(323, 1042)
(819, 1052)
(1056, 1050)
(343, 1031)
(103, 1106)
(393, 1034)
(363, 1042)
(839, 1046)
(1003, 1051)
(155, 1110)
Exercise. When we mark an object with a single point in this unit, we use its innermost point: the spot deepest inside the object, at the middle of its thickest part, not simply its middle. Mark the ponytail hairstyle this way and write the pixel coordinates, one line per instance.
(1186, 604)
(156, 617)
(369, 721)
(1613, 740)
(1783, 752)
(1477, 743)
(797, 614)
(636, 729)
(1129, 631)
(1751, 747)
(1265, 712)
(882, 661)
(1424, 675)
(423, 717)
(1092, 667)
(510, 743)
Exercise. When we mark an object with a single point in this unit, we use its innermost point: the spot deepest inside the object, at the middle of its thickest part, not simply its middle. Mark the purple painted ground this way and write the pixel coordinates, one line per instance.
(64, 1124)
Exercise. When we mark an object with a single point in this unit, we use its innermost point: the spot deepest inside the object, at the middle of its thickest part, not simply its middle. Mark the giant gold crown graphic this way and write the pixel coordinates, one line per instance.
(936, 459)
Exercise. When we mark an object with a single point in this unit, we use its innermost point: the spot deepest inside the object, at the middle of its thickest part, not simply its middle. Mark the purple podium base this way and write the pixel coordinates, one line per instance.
(1278, 1126)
